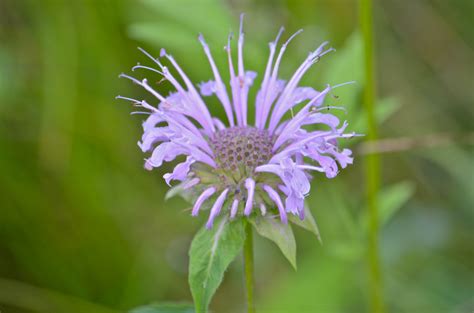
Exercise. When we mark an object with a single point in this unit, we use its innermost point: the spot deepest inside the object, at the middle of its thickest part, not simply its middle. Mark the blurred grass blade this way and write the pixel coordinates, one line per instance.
(28, 297)
(372, 161)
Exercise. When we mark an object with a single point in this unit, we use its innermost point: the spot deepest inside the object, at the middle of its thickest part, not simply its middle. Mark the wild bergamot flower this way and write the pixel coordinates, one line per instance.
(240, 167)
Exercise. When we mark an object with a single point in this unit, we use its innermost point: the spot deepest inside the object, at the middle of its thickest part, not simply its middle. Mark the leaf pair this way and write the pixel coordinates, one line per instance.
(213, 250)
(211, 253)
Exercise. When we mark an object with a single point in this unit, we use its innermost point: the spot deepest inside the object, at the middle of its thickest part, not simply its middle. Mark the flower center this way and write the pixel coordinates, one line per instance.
(242, 148)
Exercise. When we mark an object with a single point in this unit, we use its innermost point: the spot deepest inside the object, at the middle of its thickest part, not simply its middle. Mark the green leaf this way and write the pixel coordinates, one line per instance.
(279, 233)
(391, 199)
(350, 250)
(211, 253)
(308, 223)
(164, 308)
(176, 25)
(209, 16)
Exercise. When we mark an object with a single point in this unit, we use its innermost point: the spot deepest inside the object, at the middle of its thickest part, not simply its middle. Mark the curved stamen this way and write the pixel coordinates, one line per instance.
(139, 66)
(283, 102)
(151, 57)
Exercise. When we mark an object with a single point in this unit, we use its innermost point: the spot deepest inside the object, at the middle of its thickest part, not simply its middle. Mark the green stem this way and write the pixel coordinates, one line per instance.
(373, 162)
(248, 265)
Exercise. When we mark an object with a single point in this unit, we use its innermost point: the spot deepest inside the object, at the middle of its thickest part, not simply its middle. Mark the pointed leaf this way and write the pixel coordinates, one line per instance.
(308, 223)
(211, 253)
(279, 233)
(164, 308)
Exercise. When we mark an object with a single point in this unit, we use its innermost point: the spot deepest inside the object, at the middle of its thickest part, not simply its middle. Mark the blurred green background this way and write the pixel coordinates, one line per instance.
(83, 228)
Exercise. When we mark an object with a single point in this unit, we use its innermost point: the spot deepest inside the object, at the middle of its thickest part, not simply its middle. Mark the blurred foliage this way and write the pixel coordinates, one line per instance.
(83, 228)
(164, 308)
(211, 252)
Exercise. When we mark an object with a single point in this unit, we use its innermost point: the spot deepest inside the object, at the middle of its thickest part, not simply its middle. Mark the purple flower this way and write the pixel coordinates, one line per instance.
(243, 165)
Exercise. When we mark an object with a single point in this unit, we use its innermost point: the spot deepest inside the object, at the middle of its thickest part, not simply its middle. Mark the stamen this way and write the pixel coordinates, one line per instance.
(133, 79)
(128, 99)
(299, 31)
(344, 84)
(329, 107)
(151, 57)
(138, 66)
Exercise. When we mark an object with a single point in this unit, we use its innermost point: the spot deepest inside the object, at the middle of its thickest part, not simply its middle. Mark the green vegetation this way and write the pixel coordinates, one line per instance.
(83, 228)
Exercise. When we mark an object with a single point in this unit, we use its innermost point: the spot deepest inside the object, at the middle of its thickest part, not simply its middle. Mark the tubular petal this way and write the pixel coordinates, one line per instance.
(276, 198)
(235, 207)
(250, 185)
(200, 200)
(216, 208)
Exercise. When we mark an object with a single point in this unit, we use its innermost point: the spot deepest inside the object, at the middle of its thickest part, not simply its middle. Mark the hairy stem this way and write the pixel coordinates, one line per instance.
(373, 162)
(248, 266)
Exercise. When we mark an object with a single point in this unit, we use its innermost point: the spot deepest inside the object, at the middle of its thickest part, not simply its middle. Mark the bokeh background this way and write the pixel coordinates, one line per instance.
(83, 228)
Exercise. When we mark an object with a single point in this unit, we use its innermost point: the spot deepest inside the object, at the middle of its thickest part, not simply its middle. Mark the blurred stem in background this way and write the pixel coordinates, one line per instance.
(248, 264)
(372, 160)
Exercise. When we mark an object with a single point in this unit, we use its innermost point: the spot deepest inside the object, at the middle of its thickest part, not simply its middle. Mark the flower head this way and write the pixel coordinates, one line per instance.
(234, 166)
